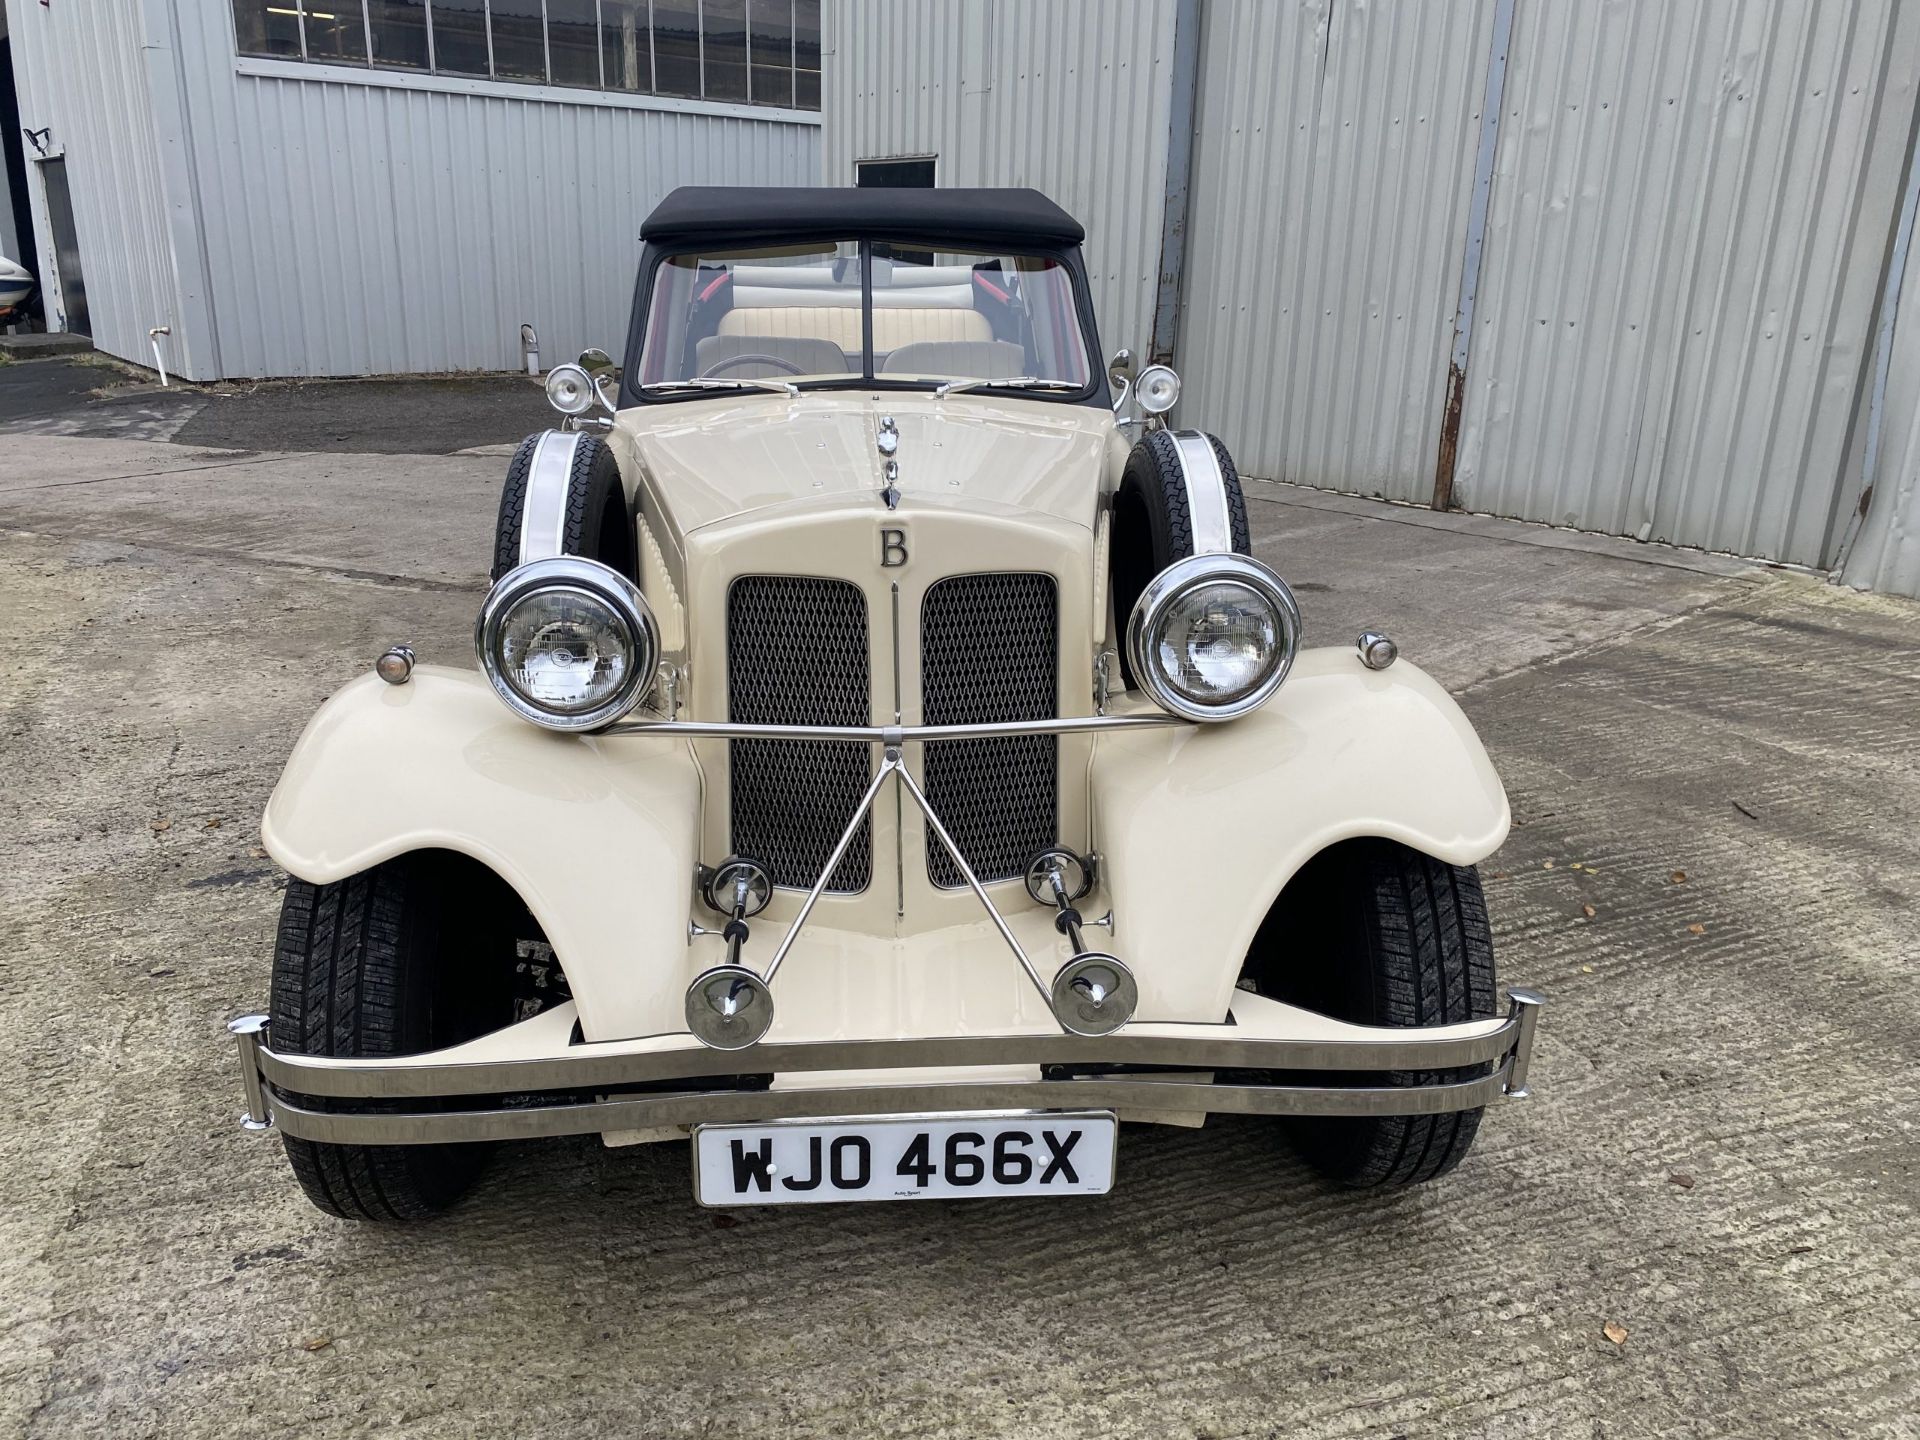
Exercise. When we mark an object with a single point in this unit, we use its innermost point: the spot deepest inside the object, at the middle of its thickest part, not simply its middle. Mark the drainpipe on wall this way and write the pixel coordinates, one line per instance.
(1173, 206)
(1470, 265)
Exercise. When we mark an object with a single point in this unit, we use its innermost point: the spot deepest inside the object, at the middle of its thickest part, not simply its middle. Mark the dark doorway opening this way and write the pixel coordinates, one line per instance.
(66, 246)
(13, 155)
(916, 174)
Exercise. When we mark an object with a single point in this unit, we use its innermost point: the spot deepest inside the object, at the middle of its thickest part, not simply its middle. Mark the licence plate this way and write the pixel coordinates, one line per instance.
(905, 1157)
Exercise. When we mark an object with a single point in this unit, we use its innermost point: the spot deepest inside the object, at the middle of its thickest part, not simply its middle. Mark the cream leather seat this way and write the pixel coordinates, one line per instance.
(893, 326)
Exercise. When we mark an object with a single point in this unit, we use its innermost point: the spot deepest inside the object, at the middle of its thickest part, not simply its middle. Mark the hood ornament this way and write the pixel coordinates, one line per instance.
(888, 442)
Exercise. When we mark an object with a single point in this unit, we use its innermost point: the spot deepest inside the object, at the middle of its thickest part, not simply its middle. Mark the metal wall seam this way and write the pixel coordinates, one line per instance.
(1184, 83)
(1496, 84)
(195, 347)
(1071, 98)
(1685, 239)
(1881, 546)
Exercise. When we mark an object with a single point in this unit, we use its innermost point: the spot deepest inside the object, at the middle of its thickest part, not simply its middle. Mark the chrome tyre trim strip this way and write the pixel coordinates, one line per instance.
(1207, 512)
(543, 510)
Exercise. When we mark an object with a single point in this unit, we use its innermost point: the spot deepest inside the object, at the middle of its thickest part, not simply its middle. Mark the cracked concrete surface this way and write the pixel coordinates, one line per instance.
(1720, 1158)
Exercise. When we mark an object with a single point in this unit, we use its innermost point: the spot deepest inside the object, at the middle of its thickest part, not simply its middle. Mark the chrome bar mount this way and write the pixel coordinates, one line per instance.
(1094, 993)
(729, 1006)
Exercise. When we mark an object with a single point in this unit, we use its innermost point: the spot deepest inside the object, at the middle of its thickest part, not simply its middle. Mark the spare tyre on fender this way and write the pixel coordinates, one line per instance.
(563, 496)
(1179, 495)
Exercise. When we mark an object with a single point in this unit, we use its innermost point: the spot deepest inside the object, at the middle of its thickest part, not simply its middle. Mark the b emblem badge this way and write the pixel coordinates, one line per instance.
(893, 548)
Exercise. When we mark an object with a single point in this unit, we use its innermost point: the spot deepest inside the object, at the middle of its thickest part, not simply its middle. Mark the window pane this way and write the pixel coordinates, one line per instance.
(266, 27)
(676, 47)
(974, 316)
(335, 31)
(806, 54)
(519, 41)
(723, 46)
(399, 33)
(770, 51)
(626, 47)
(460, 36)
(573, 42)
(756, 314)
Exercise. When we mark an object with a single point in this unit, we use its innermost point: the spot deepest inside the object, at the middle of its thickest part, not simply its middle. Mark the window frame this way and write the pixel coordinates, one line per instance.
(548, 91)
(1069, 257)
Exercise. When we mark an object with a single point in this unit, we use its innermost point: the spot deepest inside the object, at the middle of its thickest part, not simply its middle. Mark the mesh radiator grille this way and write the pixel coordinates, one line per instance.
(797, 654)
(990, 651)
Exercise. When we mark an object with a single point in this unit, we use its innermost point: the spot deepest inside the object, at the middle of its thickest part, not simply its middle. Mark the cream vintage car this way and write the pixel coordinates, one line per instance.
(887, 765)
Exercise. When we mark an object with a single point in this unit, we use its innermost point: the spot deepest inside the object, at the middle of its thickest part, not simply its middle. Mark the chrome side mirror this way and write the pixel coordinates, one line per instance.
(1120, 376)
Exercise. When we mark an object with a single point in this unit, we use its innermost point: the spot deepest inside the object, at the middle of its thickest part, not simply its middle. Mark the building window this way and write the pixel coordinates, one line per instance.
(914, 174)
(739, 52)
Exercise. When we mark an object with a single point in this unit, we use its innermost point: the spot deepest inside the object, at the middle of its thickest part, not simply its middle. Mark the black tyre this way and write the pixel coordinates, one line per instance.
(597, 522)
(1152, 524)
(1378, 934)
(366, 966)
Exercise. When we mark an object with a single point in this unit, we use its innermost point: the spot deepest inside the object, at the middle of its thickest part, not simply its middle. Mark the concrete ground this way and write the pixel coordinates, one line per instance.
(1715, 774)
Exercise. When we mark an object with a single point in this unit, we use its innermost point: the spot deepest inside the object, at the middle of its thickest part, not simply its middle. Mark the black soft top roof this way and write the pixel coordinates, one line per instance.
(733, 214)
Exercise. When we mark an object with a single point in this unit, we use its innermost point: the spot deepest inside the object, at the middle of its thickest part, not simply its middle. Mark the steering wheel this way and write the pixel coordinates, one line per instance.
(786, 367)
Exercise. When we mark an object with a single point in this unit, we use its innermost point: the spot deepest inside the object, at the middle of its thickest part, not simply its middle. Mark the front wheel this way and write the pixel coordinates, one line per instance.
(1374, 933)
(364, 967)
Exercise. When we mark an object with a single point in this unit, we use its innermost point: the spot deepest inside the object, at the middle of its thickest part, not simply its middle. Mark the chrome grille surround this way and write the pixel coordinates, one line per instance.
(989, 652)
(797, 653)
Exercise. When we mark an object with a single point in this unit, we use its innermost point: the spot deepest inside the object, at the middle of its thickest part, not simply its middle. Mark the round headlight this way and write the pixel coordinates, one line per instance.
(1157, 388)
(570, 390)
(567, 643)
(1212, 636)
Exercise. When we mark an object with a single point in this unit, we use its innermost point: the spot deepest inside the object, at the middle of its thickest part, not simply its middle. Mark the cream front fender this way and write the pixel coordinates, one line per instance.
(597, 836)
(1199, 828)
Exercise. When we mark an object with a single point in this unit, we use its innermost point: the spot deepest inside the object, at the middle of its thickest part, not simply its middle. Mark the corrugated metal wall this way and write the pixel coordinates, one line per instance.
(1331, 177)
(357, 228)
(1691, 212)
(1070, 97)
(81, 72)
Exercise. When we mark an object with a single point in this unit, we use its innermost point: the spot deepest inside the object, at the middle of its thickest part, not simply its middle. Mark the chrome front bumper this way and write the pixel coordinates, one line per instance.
(531, 1080)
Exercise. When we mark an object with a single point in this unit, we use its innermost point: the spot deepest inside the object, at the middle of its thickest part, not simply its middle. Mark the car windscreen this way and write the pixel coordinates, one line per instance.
(853, 312)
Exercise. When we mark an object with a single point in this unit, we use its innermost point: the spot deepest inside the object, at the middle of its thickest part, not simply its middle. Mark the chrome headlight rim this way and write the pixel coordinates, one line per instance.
(601, 582)
(1174, 583)
(570, 380)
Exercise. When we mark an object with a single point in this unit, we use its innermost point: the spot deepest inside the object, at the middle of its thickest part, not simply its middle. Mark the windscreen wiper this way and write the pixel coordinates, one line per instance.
(778, 387)
(1013, 382)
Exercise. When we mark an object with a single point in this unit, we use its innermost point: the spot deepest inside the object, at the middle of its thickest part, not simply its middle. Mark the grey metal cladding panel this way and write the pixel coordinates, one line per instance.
(1069, 97)
(360, 228)
(1332, 174)
(1690, 212)
(81, 72)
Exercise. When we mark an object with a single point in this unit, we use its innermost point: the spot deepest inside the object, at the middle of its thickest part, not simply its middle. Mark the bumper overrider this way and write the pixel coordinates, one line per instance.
(529, 1081)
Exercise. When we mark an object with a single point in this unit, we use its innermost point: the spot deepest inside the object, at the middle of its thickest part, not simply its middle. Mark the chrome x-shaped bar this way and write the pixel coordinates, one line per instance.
(731, 1006)
(892, 764)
